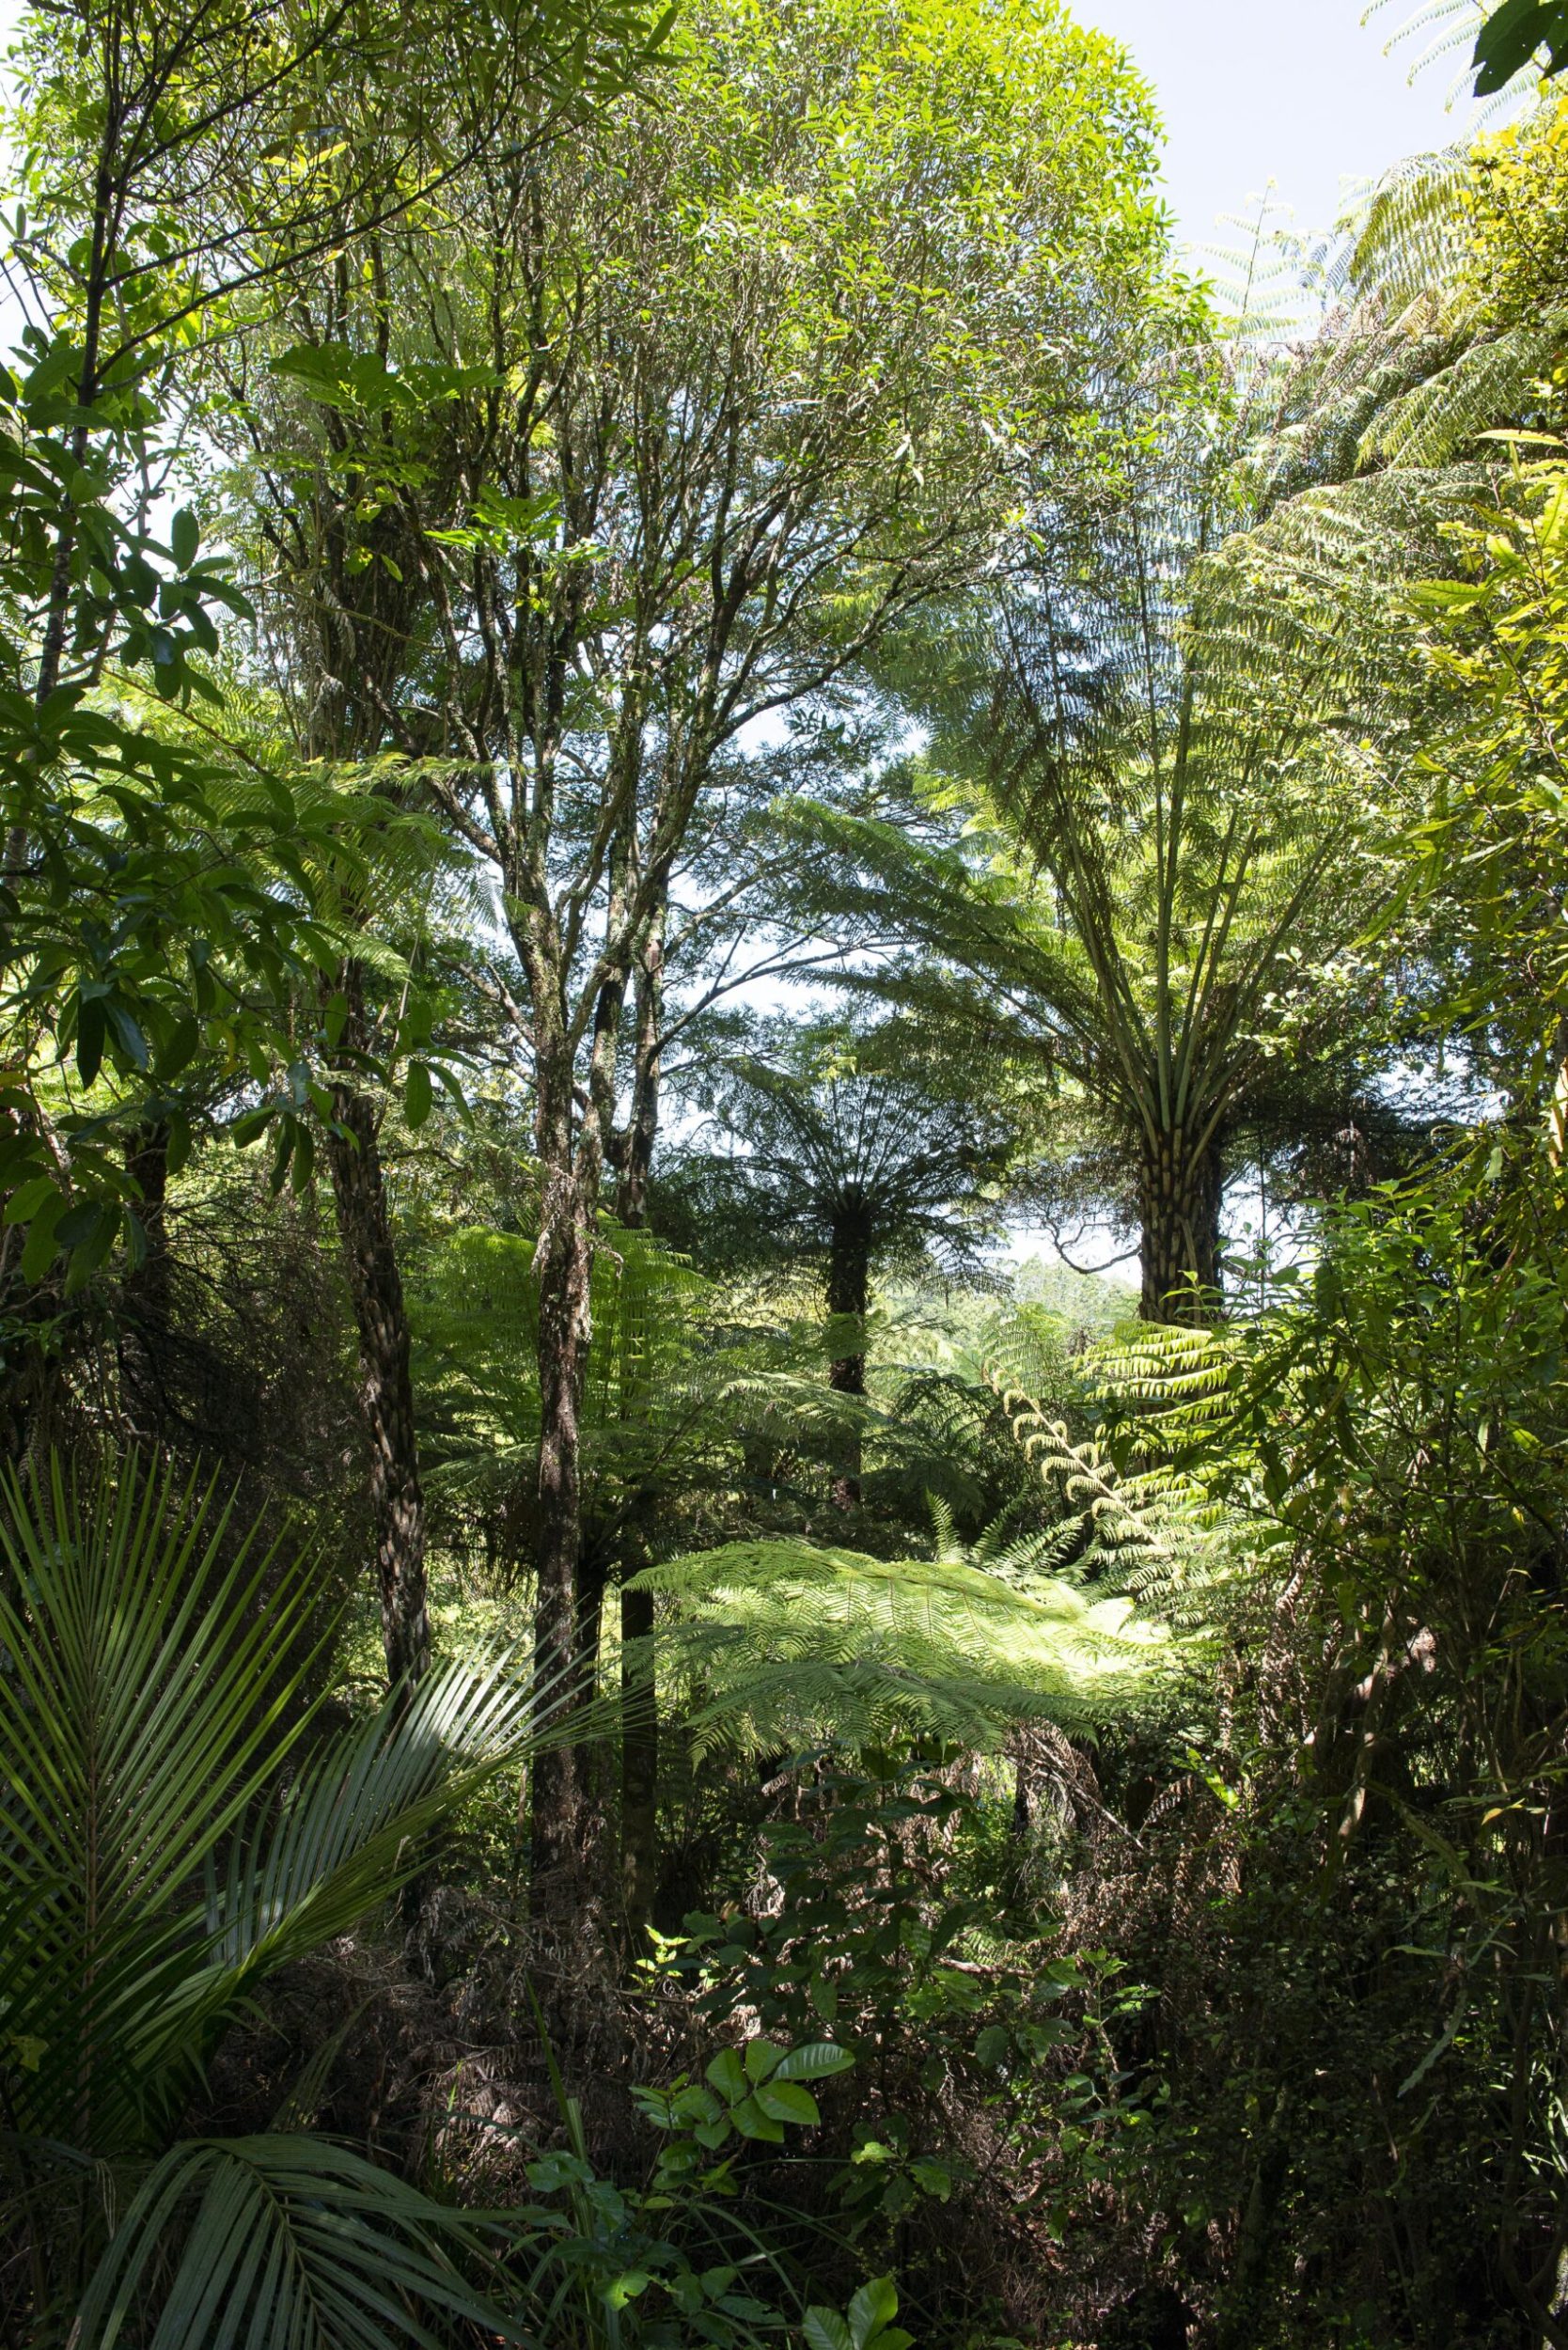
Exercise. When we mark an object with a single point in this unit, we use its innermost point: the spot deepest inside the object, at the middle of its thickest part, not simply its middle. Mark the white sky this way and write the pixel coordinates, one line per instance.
(1298, 91)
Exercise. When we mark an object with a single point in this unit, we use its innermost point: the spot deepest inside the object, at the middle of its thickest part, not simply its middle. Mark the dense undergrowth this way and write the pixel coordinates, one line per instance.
(665, 689)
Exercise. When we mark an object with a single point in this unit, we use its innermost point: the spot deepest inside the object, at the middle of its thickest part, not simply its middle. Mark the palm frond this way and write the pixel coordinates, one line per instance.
(290, 2243)
(148, 1713)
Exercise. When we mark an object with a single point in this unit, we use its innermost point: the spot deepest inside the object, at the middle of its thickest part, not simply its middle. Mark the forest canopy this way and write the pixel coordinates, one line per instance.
(783, 1226)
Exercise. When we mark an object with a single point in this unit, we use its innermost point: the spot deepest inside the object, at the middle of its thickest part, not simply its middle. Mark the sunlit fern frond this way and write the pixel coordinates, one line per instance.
(1181, 1381)
(653, 1377)
(1487, 385)
(1313, 592)
(1020, 1559)
(1141, 1524)
(786, 1645)
(1411, 231)
(946, 1550)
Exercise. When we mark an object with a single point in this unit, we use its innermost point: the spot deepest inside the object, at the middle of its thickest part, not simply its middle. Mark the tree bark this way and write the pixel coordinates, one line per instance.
(639, 1692)
(639, 1768)
(563, 1268)
(642, 1129)
(386, 1386)
(849, 1291)
(1179, 1203)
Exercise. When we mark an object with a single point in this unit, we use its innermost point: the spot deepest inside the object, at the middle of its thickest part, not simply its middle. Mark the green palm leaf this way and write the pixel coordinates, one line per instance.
(141, 1716)
(146, 1720)
(292, 2244)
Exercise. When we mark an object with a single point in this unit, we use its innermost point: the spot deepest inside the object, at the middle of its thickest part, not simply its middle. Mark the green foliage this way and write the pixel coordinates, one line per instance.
(790, 1645)
(881, 1910)
(866, 2324)
(1154, 1881)
(1511, 36)
(172, 1840)
(842, 1150)
(1134, 865)
(1497, 637)
(301, 2244)
(668, 2265)
(1383, 1873)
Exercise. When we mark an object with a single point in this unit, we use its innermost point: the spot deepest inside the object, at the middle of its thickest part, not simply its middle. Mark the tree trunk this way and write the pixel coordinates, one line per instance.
(1178, 1204)
(639, 1768)
(642, 1130)
(640, 1689)
(849, 1289)
(563, 1267)
(386, 1389)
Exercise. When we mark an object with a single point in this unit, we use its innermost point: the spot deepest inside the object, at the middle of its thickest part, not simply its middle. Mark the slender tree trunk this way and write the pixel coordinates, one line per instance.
(563, 1267)
(1178, 1204)
(572, 1153)
(639, 1690)
(385, 1387)
(849, 1293)
(639, 1766)
(642, 1130)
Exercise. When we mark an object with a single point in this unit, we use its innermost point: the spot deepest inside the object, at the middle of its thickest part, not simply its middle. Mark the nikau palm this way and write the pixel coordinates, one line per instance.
(173, 1831)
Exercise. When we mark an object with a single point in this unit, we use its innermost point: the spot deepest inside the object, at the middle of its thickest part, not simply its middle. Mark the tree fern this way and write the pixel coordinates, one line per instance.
(787, 1644)
(1492, 381)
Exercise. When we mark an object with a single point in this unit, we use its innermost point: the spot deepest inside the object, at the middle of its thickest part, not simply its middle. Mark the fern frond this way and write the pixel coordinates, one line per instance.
(790, 1645)
(1489, 385)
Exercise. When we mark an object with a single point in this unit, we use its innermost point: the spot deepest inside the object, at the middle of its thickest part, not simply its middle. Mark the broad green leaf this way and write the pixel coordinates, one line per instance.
(873, 2307)
(184, 539)
(825, 2330)
(815, 2061)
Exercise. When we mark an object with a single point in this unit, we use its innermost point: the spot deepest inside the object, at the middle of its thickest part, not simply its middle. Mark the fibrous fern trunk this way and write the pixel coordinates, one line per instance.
(1179, 1188)
(849, 1298)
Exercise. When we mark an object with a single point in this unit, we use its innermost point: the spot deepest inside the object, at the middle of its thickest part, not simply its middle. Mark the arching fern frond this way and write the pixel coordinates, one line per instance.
(785, 1644)
(1486, 385)
(1410, 231)
(1144, 1528)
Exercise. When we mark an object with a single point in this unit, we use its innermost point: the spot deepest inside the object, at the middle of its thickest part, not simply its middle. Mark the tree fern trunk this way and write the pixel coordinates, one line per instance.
(1179, 1204)
(849, 1289)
